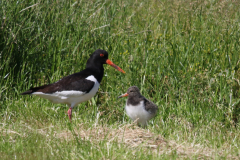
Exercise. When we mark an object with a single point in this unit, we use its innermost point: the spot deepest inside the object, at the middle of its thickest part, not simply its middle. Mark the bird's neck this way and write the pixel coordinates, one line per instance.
(134, 100)
(97, 71)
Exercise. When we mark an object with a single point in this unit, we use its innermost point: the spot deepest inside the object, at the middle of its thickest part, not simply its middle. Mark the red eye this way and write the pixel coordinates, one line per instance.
(101, 55)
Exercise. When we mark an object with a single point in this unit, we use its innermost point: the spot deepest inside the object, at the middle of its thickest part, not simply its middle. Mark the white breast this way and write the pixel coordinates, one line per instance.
(138, 112)
(72, 98)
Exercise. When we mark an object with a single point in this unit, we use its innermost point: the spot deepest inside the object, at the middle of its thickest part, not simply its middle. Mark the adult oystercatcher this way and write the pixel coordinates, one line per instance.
(138, 107)
(78, 87)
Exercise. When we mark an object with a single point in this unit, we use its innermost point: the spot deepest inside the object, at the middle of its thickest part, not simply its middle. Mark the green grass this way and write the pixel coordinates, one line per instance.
(183, 55)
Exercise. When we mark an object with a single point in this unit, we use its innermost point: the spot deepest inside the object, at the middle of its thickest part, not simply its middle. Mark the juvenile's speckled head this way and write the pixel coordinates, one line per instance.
(131, 92)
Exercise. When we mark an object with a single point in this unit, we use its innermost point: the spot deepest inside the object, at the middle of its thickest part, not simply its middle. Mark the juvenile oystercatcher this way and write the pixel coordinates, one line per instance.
(78, 87)
(138, 107)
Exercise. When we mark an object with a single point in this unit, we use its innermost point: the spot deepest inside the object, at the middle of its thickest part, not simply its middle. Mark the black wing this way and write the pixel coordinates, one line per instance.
(77, 82)
(150, 106)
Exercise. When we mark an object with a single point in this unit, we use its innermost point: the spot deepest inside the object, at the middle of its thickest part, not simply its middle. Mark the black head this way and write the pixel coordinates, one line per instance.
(100, 57)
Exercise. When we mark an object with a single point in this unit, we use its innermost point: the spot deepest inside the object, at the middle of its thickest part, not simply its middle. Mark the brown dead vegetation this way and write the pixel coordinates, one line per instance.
(134, 137)
(130, 135)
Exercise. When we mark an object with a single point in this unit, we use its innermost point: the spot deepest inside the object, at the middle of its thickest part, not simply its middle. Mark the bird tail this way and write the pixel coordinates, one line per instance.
(27, 92)
(32, 90)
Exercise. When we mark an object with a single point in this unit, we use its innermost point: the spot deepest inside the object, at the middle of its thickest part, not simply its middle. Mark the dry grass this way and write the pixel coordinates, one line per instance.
(135, 138)
(129, 135)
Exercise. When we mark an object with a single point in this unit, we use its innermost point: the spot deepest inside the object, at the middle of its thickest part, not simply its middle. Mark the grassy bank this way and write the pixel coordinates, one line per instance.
(183, 55)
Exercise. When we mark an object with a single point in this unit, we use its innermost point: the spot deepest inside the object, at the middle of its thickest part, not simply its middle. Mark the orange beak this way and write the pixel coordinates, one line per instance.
(123, 95)
(115, 66)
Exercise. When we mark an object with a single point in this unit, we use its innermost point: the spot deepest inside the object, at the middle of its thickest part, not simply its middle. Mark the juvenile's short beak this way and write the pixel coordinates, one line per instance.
(123, 95)
(114, 65)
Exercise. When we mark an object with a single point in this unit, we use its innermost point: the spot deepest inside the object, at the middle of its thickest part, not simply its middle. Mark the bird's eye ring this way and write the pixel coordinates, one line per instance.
(101, 55)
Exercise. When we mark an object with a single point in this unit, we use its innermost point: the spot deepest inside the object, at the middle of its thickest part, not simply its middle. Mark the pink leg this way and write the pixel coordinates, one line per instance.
(70, 114)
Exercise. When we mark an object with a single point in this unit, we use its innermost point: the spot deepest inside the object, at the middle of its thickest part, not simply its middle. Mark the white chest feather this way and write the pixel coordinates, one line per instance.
(138, 112)
(72, 98)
